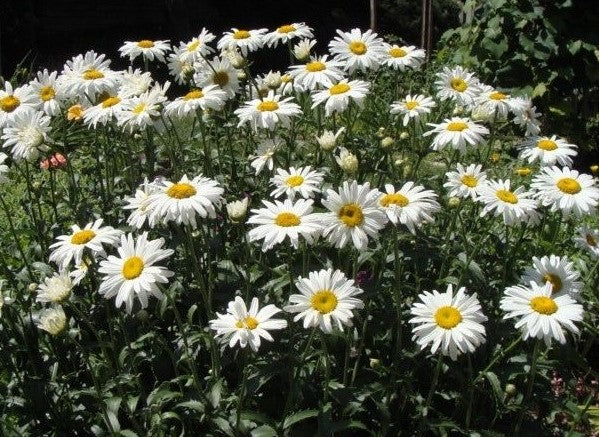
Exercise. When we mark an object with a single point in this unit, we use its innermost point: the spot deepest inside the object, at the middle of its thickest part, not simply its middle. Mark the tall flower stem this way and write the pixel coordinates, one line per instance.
(242, 390)
(529, 387)
(327, 366)
(431, 393)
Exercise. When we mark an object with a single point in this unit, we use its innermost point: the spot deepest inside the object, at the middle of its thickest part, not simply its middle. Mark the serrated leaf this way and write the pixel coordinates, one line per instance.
(193, 405)
(264, 431)
(298, 417)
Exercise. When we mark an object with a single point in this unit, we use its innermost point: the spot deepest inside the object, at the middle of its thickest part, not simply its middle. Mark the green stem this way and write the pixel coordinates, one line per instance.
(531, 380)
(327, 366)
(470, 393)
(242, 390)
(431, 393)
(499, 356)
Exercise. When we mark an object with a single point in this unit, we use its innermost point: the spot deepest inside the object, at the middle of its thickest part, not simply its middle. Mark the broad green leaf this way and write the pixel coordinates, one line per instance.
(298, 417)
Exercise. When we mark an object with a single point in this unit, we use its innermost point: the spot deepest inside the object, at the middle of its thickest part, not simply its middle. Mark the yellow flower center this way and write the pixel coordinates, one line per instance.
(294, 181)
(194, 45)
(351, 214)
(469, 180)
(75, 112)
(497, 96)
(457, 126)
(546, 145)
(47, 93)
(286, 78)
(495, 157)
(220, 78)
(523, 171)
(241, 34)
(82, 237)
(194, 94)
(9, 103)
(133, 267)
(411, 105)
(394, 199)
(315, 66)
(92, 74)
(554, 280)
(507, 196)
(568, 186)
(357, 47)
(459, 84)
(340, 88)
(591, 240)
(287, 219)
(145, 44)
(396, 52)
(181, 190)
(543, 305)
(448, 317)
(139, 108)
(249, 323)
(324, 301)
(110, 101)
(286, 28)
(267, 106)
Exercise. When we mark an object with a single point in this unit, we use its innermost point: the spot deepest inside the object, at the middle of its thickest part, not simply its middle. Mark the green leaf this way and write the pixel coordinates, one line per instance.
(193, 405)
(128, 433)
(298, 417)
(539, 90)
(495, 385)
(264, 431)
(215, 393)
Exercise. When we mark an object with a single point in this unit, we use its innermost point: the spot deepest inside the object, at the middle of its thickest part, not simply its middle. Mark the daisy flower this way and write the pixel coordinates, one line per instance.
(283, 219)
(566, 190)
(449, 323)
(358, 50)
(92, 237)
(526, 115)
(133, 273)
(492, 103)
(218, 72)
(106, 110)
(27, 133)
(210, 97)
(413, 107)
(182, 201)
(302, 49)
(80, 270)
(347, 161)
(514, 206)
(456, 132)
(326, 299)
(268, 112)
(55, 289)
(179, 67)
(403, 57)
(539, 314)
(302, 180)
(548, 151)
(88, 75)
(245, 40)
(328, 140)
(337, 97)
(354, 215)
(52, 320)
(45, 90)
(138, 204)
(237, 210)
(558, 271)
(457, 84)
(197, 49)
(13, 102)
(319, 72)
(411, 205)
(245, 326)
(146, 48)
(140, 112)
(134, 82)
(588, 239)
(466, 181)
(285, 33)
(265, 153)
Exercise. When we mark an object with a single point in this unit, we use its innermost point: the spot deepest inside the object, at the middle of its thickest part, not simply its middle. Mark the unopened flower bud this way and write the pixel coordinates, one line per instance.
(404, 135)
(32, 287)
(381, 132)
(273, 80)
(454, 202)
(328, 139)
(375, 363)
(510, 389)
(347, 161)
(387, 142)
(237, 210)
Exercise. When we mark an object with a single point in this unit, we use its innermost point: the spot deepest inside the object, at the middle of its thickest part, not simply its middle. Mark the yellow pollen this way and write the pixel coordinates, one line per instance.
(340, 88)
(110, 101)
(568, 186)
(9, 103)
(139, 108)
(267, 106)
(554, 280)
(92, 74)
(351, 214)
(546, 144)
(394, 199)
(294, 181)
(194, 94)
(357, 47)
(469, 180)
(459, 84)
(286, 28)
(497, 96)
(82, 237)
(396, 52)
(47, 93)
(194, 45)
(523, 171)
(543, 305)
(286, 78)
(411, 105)
(448, 317)
(287, 219)
(324, 301)
(133, 267)
(181, 190)
(507, 196)
(315, 66)
(457, 126)
(145, 44)
(241, 34)
(249, 323)
(591, 240)
(75, 112)
(220, 78)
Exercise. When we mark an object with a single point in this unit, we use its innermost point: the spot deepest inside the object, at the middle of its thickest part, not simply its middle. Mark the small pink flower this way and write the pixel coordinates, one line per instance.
(54, 162)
